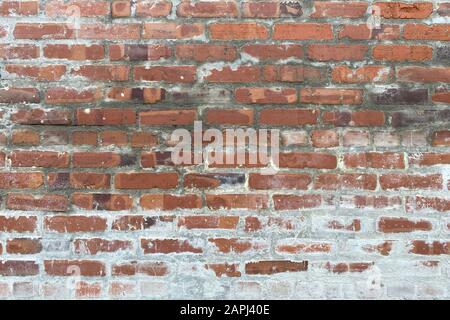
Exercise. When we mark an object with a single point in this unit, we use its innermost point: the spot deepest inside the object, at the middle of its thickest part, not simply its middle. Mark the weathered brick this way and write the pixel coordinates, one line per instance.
(238, 31)
(402, 10)
(50, 202)
(302, 31)
(328, 9)
(353, 95)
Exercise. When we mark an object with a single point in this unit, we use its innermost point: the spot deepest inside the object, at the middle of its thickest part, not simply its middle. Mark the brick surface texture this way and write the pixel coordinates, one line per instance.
(92, 207)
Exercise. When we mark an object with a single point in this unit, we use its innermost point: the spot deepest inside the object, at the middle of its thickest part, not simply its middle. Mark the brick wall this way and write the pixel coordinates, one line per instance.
(90, 92)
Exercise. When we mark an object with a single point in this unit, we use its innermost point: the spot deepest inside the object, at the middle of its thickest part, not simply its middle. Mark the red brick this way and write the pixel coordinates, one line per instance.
(444, 9)
(105, 116)
(23, 246)
(423, 75)
(426, 32)
(41, 73)
(101, 159)
(170, 30)
(62, 95)
(271, 9)
(229, 116)
(366, 74)
(139, 222)
(102, 201)
(275, 266)
(441, 96)
(55, 137)
(72, 223)
(208, 222)
(170, 202)
(155, 9)
(380, 160)
(148, 268)
(255, 224)
(405, 181)
(288, 117)
(37, 116)
(324, 138)
(429, 159)
(331, 181)
(45, 159)
(402, 53)
(331, 96)
(224, 269)
(238, 31)
(120, 9)
(236, 245)
(103, 72)
(20, 8)
(367, 118)
(84, 138)
(290, 73)
(76, 52)
(383, 248)
(233, 75)
(206, 52)
(266, 95)
(398, 225)
(20, 224)
(327, 52)
(325, 9)
(21, 180)
(18, 268)
(146, 180)
(139, 52)
(143, 139)
(20, 51)
(295, 247)
(142, 95)
(86, 8)
(402, 10)
(302, 31)
(89, 180)
(19, 95)
(43, 31)
(49, 202)
(422, 203)
(78, 180)
(296, 181)
(363, 32)
(313, 160)
(98, 245)
(207, 9)
(294, 202)
(170, 74)
(430, 247)
(236, 201)
(25, 137)
(116, 31)
(343, 267)
(86, 268)
(175, 117)
(116, 137)
(441, 138)
(205, 181)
